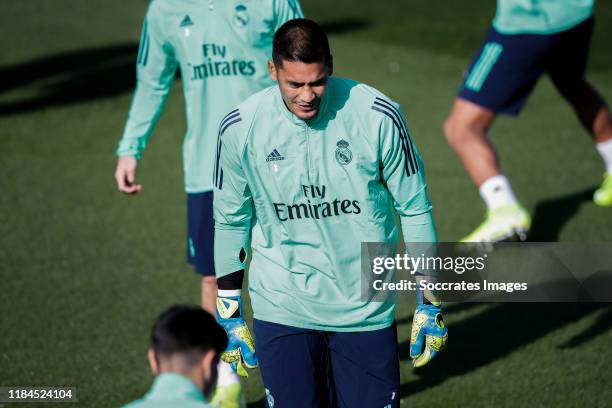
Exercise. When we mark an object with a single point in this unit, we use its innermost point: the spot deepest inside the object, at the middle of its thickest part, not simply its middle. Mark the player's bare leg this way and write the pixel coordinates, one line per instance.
(602, 125)
(595, 117)
(209, 293)
(466, 131)
(590, 108)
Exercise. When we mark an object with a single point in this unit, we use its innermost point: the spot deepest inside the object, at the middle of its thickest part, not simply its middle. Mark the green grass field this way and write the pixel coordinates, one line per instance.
(84, 270)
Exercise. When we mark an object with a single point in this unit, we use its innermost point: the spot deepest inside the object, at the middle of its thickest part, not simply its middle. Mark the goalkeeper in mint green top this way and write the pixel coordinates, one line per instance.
(305, 172)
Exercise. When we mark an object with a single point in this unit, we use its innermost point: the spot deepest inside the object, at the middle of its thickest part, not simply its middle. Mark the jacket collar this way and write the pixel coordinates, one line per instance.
(174, 386)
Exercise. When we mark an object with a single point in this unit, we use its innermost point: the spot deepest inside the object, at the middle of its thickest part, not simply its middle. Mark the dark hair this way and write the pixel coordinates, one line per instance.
(301, 40)
(187, 330)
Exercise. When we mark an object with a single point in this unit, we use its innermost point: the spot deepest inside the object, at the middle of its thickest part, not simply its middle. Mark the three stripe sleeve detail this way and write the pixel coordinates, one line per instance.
(143, 50)
(230, 119)
(411, 164)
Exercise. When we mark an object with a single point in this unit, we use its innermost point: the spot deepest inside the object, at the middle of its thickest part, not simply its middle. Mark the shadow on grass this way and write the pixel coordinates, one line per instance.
(70, 78)
(551, 215)
(601, 325)
(496, 333)
(87, 75)
(344, 26)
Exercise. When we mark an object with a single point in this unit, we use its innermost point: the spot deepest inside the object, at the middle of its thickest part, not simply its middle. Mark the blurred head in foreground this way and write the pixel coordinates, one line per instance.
(187, 340)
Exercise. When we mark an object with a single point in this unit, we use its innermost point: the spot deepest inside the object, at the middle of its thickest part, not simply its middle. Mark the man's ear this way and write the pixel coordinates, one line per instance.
(209, 362)
(153, 361)
(272, 70)
(330, 68)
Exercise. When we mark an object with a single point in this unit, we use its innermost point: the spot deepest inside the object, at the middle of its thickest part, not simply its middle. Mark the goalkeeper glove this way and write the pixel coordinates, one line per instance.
(429, 334)
(240, 352)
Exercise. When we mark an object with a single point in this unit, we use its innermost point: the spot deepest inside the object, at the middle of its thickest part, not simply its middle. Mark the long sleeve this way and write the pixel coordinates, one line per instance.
(233, 204)
(156, 66)
(404, 176)
(285, 10)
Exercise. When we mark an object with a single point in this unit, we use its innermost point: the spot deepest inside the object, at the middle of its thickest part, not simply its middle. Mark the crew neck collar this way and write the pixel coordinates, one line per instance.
(171, 385)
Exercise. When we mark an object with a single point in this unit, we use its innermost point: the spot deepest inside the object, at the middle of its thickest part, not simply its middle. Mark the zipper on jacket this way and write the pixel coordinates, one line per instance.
(308, 157)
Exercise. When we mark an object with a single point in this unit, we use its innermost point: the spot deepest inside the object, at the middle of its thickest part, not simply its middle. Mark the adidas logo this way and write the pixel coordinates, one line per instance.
(186, 21)
(274, 156)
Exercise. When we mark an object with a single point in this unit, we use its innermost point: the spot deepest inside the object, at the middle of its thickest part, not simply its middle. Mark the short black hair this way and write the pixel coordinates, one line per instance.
(301, 40)
(188, 330)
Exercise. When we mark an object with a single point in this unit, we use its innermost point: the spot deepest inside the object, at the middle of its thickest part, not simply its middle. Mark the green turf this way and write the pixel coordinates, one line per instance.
(84, 270)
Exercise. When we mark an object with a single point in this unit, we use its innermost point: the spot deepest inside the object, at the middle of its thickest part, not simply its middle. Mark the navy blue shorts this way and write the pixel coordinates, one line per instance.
(201, 233)
(506, 68)
(304, 368)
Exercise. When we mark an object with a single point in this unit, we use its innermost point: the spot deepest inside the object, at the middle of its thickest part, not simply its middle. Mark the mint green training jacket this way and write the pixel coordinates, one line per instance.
(540, 16)
(170, 390)
(221, 49)
(306, 194)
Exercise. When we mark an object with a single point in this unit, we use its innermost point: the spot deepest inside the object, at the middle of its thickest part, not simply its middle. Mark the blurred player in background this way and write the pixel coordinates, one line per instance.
(308, 170)
(186, 342)
(527, 39)
(221, 49)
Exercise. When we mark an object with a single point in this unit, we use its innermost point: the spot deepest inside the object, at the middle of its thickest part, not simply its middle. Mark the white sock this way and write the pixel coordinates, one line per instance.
(227, 376)
(496, 192)
(605, 150)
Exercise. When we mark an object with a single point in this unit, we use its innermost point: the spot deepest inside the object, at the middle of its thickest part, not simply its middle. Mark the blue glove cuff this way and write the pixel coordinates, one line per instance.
(229, 308)
(429, 308)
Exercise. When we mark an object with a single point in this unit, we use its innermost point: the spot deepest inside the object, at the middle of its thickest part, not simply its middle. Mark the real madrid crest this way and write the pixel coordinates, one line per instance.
(241, 18)
(343, 153)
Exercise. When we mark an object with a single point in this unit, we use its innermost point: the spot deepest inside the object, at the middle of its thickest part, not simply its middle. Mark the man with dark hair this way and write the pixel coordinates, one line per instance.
(186, 342)
(305, 172)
